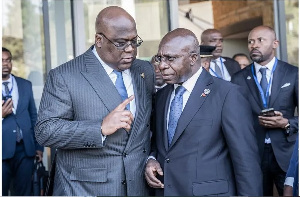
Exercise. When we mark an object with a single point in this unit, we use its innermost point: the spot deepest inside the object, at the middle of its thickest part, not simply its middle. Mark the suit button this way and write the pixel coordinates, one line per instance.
(144, 150)
(14, 131)
(124, 182)
(125, 154)
(168, 160)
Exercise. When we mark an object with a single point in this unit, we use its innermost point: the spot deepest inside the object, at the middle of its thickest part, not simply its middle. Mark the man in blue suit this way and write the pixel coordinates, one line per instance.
(19, 145)
(204, 141)
(271, 83)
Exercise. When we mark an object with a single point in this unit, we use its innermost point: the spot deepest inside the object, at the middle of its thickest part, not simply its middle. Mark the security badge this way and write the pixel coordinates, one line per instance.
(205, 93)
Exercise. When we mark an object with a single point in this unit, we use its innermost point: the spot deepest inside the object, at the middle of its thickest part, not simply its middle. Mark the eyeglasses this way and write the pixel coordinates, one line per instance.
(136, 42)
(6, 60)
(167, 58)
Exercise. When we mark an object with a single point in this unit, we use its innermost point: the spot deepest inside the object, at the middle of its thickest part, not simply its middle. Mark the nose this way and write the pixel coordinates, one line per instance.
(129, 47)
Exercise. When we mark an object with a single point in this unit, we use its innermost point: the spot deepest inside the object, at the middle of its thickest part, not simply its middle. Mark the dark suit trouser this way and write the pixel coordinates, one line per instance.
(18, 169)
(272, 173)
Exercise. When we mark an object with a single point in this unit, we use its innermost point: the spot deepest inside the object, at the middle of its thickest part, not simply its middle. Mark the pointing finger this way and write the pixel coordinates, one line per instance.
(122, 106)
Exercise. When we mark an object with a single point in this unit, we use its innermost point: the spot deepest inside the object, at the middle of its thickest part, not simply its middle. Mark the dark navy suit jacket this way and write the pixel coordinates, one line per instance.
(284, 98)
(25, 118)
(214, 150)
(231, 65)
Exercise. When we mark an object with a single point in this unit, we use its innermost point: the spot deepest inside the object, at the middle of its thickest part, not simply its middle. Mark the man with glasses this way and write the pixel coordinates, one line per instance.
(204, 138)
(95, 111)
(19, 146)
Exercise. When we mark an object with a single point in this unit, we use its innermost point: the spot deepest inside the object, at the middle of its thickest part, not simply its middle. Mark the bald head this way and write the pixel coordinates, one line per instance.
(265, 29)
(112, 17)
(205, 34)
(185, 38)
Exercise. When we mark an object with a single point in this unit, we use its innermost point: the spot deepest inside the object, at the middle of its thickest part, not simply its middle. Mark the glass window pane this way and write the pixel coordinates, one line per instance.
(292, 30)
(23, 35)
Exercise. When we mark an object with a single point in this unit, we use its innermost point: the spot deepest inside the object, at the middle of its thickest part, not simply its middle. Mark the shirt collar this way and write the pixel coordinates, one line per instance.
(269, 65)
(106, 67)
(191, 82)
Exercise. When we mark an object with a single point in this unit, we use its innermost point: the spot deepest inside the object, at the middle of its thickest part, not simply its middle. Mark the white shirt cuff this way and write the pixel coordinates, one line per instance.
(289, 181)
(150, 157)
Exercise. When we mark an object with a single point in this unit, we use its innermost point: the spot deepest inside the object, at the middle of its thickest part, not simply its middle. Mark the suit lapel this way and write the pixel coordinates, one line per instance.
(22, 93)
(100, 81)
(193, 105)
(278, 76)
(252, 85)
(140, 101)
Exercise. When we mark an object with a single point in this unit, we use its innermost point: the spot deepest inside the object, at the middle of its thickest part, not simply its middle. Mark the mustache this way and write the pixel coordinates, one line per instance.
(254, 50)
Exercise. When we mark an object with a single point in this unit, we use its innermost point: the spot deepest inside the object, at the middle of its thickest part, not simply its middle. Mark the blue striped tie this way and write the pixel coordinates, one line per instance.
(264, 86)
(175, 112)
(121, 87)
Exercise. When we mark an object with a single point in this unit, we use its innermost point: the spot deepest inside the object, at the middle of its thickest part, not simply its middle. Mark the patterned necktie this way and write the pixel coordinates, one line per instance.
(121, 87)
(264, 86)
(263, 81)
(175, 112)
(217, 69)
(6, 88)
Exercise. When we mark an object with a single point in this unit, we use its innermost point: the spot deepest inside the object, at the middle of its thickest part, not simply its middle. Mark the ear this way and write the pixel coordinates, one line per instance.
(275, 44)
(194, 57)
(98, 39)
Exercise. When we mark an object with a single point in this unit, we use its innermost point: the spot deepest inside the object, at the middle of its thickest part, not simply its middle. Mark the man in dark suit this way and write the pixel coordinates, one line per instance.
(19, 146)
(204, 141)
(221, 67)
(102, 136)
(271, 83)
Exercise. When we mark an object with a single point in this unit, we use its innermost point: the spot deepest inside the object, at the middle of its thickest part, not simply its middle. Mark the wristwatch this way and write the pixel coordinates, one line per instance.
(287, 128)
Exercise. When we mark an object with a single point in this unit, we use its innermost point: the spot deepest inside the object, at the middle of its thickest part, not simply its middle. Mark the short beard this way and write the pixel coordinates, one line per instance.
(257, 59)
(4, 76)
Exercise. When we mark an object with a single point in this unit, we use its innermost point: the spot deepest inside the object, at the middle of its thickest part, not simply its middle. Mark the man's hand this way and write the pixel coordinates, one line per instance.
(118, 118)
(152, 169)
(39, 154)
(288, 190)
(7, 107)
(277, 121)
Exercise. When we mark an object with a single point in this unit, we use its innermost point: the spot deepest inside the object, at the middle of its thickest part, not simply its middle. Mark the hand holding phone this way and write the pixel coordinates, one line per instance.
(268, 112)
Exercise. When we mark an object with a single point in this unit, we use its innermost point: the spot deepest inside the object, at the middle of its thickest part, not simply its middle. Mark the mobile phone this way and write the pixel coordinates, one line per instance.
(5, 98)
(267, 112)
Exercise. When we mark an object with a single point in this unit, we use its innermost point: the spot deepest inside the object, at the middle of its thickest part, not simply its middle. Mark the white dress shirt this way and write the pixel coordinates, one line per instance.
(269, 75)
(225, 73)
(126, 78)
(189, 86)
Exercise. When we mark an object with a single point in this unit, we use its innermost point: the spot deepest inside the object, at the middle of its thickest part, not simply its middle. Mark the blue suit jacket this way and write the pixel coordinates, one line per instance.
(25, 118)
(284, 98)
(214, 150)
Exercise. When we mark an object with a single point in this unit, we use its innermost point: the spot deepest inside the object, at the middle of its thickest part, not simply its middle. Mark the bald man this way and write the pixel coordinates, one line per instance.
(204, 138)
(271, 83)
(221, 67)
(95, 111)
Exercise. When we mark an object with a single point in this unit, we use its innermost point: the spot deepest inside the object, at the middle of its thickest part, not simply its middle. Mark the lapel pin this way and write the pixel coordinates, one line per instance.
(205, 93)
(248, 77)
(143, 75)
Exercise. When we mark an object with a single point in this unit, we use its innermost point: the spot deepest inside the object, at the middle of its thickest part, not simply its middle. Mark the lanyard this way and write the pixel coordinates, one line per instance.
(215, 73)
(222, 67)
(261, 92)
(12, 86)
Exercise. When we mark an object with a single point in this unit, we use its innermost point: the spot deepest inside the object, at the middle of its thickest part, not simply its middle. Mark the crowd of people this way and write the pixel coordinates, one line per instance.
(189, 122)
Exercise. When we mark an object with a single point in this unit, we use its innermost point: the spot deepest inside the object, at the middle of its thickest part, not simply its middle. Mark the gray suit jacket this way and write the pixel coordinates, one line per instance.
(214, 150)
(76, 98)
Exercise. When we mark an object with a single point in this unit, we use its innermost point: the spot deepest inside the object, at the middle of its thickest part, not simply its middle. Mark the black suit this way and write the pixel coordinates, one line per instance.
(210, 153)
(283, 98)
(231, 65)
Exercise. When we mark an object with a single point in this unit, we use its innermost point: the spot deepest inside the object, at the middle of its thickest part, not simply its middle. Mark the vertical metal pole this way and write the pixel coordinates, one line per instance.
(46, 28)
